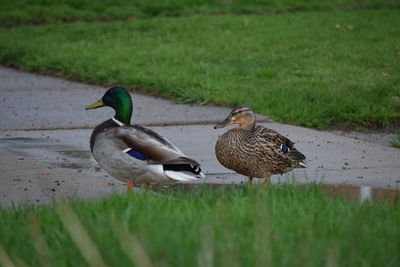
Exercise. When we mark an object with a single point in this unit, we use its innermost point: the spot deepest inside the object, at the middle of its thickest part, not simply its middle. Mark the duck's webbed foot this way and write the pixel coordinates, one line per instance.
(147, 187)
(250, 180)
(267, 180)
(129, 186)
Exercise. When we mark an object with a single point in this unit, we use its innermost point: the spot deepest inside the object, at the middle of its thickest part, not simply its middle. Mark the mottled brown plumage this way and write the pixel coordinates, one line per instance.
(253, 150)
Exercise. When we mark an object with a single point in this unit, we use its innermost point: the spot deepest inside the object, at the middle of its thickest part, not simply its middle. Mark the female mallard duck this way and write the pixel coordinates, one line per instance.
(135, 154)
(254, 150)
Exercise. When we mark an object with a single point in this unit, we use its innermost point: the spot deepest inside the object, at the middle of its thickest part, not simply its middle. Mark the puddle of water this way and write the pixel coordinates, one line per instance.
(79, 154)
(25, 140)
(51, 152)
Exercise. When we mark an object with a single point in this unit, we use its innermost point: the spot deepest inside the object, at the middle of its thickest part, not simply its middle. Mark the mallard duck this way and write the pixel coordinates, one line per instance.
(133, 153)
(253, 150)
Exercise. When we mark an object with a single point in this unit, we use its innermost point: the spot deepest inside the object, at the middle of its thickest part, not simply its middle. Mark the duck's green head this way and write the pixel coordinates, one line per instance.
(120, 100)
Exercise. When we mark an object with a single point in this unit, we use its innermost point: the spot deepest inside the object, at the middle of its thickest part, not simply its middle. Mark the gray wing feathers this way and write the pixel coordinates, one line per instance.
(149, 143)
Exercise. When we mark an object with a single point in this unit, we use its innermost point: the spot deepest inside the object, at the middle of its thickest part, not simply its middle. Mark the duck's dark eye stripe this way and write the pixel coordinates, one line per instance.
(240, 111)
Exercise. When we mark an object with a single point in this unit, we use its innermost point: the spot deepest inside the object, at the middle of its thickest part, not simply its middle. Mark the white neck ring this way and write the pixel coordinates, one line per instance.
(117, 122)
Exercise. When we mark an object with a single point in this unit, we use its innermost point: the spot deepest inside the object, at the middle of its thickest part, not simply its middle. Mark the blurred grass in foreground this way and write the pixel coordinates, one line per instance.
(282, 226)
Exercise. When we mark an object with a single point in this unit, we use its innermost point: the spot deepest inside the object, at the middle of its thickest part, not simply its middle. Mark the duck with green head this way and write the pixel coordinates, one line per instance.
(133, 153)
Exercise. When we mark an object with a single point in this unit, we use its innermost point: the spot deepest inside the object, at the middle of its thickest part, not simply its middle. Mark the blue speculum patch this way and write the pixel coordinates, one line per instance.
(137, 155)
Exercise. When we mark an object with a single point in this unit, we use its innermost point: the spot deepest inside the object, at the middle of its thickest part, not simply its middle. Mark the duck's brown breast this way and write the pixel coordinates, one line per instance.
(243, 152)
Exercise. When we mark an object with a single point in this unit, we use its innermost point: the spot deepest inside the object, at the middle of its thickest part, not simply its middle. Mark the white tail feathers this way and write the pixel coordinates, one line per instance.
(302, 164)
(201, 175)
(181, 176)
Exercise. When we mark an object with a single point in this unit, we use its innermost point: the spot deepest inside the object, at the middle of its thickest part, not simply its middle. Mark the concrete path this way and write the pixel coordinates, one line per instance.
(44, 142)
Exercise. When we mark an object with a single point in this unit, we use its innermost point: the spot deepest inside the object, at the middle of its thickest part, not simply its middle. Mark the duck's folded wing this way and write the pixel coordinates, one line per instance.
(281, 143)
(144, 143)
(274, 137)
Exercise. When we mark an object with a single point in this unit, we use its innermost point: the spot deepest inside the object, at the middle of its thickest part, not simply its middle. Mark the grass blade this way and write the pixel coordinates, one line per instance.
(39, 243)
(5, 260)
(80, 236)
(206, 253)
(132, 246)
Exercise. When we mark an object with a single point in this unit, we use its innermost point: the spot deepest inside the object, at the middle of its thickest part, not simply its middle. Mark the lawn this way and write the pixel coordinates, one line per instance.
(281, 226)
(313, 69)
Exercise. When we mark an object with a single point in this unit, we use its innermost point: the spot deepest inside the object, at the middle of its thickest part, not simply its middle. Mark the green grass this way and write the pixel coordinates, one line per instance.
(294, 68)
(281, 226)
(19, 12)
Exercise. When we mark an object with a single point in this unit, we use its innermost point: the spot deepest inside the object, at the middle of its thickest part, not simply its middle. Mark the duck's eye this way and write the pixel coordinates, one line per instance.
(109, 93)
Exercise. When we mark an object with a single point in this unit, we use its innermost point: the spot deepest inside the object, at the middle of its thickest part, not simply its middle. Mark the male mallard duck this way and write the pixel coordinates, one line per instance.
(135, 154)
(253, 150)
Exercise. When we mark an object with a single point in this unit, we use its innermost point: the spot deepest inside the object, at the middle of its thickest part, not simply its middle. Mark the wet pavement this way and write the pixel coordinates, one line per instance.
(44, 127)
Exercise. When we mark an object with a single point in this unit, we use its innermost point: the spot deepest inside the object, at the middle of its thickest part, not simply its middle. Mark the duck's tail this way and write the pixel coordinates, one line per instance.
(183, 169)
(302, 165)
(184, 176)
(294, 154)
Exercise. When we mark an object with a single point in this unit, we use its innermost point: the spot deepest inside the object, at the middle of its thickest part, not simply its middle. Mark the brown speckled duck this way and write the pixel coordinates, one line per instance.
(253, 150)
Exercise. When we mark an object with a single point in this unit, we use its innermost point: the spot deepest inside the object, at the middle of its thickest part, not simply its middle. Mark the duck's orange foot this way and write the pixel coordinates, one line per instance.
(129, 186)
(267, 181)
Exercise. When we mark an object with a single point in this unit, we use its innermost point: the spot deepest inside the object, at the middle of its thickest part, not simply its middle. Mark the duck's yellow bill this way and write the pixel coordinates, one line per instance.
(98, 104)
